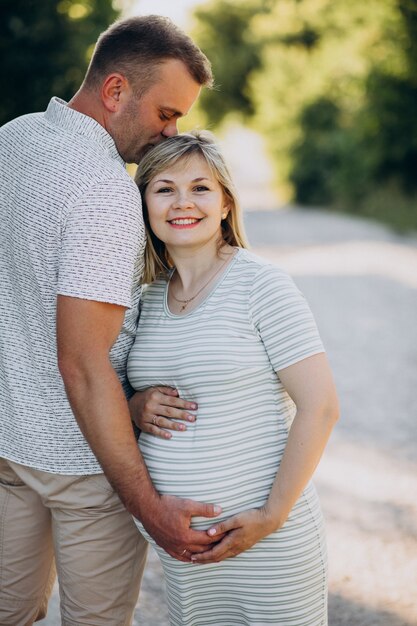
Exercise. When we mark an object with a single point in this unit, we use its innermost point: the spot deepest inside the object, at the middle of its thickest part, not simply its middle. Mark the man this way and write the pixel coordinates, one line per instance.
(71, 256)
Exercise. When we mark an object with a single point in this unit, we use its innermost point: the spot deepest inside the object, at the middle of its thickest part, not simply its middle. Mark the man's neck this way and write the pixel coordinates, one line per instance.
(89, 104)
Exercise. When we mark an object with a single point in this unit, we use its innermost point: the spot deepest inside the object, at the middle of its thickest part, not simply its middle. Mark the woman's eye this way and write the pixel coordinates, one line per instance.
(164, 190)
(201, 188)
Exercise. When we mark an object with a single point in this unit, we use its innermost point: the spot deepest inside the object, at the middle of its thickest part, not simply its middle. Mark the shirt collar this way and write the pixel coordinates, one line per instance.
(59, 113)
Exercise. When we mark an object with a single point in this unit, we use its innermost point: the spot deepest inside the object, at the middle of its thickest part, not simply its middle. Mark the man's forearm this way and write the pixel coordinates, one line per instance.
(101, 410)
(86, 330)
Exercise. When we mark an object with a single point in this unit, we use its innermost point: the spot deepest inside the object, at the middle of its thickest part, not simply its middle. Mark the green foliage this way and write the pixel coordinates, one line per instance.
(334, 92)
(317, 155)
(388, 203)
(390, 124)
(368, 166)
(408, 11)
(45, 47)
(224, 36)
(365, 162)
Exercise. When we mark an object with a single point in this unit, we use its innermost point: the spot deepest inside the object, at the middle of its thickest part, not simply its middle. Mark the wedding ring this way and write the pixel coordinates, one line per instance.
(183, 552)
(154, 420)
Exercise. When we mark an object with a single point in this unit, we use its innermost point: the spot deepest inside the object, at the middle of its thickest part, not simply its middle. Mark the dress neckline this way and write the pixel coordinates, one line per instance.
(218, 282)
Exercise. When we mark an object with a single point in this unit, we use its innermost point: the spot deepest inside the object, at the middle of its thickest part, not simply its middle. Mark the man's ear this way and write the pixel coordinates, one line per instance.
(113, 92)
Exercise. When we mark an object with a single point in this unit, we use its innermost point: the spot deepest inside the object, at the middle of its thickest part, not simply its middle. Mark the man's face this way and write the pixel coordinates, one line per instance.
(148, 119)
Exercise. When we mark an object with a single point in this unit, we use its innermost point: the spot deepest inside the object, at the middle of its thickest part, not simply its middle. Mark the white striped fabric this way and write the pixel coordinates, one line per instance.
(71, 224)
(224, 356)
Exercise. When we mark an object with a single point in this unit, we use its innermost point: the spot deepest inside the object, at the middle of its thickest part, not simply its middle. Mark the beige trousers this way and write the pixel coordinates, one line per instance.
(79, 520)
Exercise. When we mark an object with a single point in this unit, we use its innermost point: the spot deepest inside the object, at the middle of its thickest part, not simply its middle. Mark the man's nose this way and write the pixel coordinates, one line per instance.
(170, 129)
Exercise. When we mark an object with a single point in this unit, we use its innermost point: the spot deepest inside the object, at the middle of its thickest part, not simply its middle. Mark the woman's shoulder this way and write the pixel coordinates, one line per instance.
(154, 290)
(264, 281)
(259, 268)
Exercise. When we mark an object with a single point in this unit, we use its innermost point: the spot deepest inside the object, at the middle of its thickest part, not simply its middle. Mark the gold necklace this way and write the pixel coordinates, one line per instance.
(186, 302)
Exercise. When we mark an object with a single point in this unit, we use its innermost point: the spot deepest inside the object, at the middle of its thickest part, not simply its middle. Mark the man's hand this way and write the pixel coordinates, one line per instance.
(154, 409)
(168, 522)
(235, 535)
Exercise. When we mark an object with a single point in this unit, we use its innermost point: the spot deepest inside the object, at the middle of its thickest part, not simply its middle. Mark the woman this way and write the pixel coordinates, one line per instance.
(232, 333)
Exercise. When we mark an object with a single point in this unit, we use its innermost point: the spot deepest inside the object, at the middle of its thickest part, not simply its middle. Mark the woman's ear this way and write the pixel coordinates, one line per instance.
(225, 212)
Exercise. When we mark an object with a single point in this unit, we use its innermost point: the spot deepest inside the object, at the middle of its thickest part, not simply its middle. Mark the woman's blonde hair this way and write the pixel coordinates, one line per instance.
(169, 153)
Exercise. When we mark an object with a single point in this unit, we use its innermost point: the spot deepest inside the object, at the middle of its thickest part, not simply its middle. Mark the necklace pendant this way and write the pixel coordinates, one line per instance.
(185, 303)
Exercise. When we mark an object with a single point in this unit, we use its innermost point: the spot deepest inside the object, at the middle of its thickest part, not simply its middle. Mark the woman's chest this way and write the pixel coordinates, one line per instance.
(207, 348)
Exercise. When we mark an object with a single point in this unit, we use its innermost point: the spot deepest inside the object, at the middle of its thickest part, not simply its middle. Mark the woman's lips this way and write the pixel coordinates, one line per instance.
(184, 222)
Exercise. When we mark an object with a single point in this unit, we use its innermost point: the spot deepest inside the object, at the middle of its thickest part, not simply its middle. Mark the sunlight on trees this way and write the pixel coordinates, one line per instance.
(45, 49)
(332, 88)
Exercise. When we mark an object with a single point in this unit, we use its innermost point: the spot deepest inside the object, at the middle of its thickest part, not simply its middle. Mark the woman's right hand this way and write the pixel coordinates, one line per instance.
(154, 409)
(237, 534)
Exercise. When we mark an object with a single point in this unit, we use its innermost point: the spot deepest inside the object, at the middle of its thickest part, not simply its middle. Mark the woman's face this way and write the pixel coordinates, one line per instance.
(185, 204)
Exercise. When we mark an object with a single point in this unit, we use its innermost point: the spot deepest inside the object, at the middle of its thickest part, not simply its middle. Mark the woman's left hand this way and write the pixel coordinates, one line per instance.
(242, 532)
(155, 410)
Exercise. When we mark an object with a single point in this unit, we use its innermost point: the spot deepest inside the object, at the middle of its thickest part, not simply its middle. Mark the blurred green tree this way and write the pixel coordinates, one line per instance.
(365, 160)
(389, 110)
(227, 31)
(331, 85)
(316, 157)
(45, 48)
(226, 38)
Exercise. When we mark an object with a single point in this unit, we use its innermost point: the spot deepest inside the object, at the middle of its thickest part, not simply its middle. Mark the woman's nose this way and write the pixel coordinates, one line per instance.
(183, 201)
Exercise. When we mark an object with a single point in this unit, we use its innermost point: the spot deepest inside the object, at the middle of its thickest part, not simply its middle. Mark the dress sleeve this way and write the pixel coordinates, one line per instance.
(102, 240)
(282, 318)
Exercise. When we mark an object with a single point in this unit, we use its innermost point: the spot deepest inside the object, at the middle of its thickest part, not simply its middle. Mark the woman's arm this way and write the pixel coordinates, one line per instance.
(310, 385)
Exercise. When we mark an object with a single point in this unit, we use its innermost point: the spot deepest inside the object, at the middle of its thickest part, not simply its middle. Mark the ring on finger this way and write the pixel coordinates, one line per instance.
(154, 420)
(183, 552)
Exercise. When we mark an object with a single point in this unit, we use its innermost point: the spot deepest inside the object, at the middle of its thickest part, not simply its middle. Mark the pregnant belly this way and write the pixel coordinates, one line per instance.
(223, 474)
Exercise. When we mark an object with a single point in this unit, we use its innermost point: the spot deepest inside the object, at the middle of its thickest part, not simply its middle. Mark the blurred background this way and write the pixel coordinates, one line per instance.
(315, 106)
(329, 86)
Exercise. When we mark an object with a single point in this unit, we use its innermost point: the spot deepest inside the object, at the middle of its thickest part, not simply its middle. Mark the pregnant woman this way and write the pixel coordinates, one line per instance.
(232, 333)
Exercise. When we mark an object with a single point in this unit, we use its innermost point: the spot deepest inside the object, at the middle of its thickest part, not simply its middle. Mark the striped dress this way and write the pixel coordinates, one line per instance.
(224, 355)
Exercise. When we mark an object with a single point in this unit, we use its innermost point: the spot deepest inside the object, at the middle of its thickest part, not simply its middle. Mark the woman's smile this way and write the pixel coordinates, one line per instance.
(185, 205)
(184, 222)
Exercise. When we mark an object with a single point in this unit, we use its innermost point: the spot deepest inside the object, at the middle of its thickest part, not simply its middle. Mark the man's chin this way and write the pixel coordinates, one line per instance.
(144, 150)
(138, 156)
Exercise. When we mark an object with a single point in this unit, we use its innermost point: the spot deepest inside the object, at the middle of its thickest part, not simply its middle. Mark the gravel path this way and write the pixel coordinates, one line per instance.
(361, 282)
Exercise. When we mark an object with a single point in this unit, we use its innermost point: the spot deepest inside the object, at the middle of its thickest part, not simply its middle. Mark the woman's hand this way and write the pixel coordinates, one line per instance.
(154, 409)
(242, 531)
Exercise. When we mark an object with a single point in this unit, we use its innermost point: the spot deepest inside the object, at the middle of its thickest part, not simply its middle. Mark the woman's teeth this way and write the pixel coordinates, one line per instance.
(184, 221)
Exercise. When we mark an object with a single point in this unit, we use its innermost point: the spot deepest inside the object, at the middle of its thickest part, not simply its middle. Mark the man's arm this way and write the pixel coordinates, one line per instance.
(86, 331)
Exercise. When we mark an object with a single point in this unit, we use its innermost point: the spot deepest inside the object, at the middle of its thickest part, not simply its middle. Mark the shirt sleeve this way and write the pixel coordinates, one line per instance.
(102, 239)
(282, 318)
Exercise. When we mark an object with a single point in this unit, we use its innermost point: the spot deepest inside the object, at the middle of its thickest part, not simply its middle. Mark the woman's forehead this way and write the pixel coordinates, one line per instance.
(188, 165)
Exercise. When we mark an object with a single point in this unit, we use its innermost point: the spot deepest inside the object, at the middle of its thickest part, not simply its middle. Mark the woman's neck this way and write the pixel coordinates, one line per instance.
(193, 266)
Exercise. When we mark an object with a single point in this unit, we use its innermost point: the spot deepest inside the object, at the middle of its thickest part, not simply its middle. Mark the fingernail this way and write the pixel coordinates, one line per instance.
(211, 532)
(194, 406)
(217, 509)
(193, 559)
(190, 418)
(181, 427)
